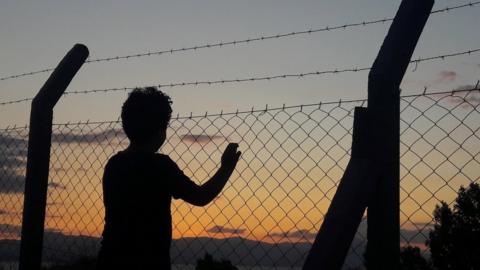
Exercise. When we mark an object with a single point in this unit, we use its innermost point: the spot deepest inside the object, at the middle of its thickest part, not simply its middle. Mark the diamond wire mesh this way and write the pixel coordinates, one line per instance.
(273, 206)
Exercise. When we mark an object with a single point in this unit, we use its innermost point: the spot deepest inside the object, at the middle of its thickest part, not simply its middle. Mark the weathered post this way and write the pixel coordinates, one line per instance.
(349, 203)
(38, 158)
(384, 80)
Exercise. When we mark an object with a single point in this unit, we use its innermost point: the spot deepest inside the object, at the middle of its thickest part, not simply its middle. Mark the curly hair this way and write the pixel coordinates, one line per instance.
(145, 112)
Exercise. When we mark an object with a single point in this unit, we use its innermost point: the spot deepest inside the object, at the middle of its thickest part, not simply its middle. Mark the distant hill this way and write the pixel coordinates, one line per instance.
(61, 248)
(240, 251)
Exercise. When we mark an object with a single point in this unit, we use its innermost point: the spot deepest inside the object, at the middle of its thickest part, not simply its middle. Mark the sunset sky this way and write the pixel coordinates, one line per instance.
(36, 34)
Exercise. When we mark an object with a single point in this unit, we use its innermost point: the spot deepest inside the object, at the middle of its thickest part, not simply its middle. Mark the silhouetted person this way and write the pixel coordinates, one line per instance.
(138, 185)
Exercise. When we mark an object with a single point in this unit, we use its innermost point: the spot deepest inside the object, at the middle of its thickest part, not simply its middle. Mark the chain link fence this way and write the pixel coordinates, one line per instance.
(271, 209)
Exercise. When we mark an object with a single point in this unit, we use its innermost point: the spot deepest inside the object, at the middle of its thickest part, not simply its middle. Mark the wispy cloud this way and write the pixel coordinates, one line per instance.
(407, 236)
(201, 138)
(71, 136)
(54, 203)
(56, 185)
(222, 229)
(64, 170)
(53, 216)
(446, 76)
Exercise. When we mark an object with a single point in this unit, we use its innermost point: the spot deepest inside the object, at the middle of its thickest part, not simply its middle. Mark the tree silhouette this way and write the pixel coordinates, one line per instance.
(412, 259)
(208, 263)
(454, 241)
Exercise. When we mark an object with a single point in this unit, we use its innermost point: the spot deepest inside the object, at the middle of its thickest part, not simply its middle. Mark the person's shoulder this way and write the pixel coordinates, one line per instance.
(114, 165)
(116, 159)
(162, 157)
(117, 156)
(165, 160)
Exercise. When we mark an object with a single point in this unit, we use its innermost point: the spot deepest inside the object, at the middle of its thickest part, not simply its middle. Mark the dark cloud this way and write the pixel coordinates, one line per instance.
(466, 87)
(13, 152)
(87, 137)
(11, 183)
(222, 229)
(446, 76)
(201, 138)
(11, 230)
(467, 98)
(14, 148)
(69, 136)
(16, 184)
(11, 141)
(299, 234)
(54, 203)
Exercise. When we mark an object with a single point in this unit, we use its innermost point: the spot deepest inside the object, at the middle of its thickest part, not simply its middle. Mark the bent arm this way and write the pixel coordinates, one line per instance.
(204, 194)
(201, 195)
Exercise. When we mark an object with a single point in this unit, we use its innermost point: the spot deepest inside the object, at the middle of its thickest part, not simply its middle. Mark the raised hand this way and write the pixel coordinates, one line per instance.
(230, 156)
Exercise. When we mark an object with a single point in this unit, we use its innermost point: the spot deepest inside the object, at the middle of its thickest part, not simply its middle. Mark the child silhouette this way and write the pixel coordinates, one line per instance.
(138, 185)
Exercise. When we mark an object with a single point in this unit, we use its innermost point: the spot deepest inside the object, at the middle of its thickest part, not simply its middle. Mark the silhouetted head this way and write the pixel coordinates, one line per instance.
(145, 116)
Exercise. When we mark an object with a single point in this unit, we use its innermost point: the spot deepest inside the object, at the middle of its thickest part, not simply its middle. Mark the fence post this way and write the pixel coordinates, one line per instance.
(38, 157)
(383, 247)
(348, 205)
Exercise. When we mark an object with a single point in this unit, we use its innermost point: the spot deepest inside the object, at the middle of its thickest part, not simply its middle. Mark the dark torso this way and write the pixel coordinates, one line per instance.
(137, 196)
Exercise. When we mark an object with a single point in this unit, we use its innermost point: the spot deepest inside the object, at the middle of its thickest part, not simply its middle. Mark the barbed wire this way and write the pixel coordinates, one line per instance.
(15, 101)
(426, 91)
(243, 41)
(319, 104)
(240, 80)
(251, 79)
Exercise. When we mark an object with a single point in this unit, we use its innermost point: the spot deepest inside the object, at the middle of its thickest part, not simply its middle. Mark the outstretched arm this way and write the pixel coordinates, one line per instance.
(204, 194)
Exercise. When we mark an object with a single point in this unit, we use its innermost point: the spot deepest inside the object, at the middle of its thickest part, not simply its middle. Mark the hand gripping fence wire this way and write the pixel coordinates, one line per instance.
(245, 41)
(273, 206)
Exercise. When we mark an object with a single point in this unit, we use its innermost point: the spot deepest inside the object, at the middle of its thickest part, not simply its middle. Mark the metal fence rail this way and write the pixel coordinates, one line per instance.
(273, 206)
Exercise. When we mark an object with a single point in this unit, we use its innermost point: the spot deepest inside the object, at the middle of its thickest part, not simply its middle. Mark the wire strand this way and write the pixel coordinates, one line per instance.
(423, 92)
(242, 41)
(251, 79)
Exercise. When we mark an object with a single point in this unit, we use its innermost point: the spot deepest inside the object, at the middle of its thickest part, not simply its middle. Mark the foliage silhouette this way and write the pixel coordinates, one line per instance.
(454, 241)
(412, 259)
(82, 264)
(208, 263)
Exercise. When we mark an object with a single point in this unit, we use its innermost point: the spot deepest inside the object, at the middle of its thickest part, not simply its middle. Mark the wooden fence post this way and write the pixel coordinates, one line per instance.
(383, 247)
(38, 157)
(345, 213)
